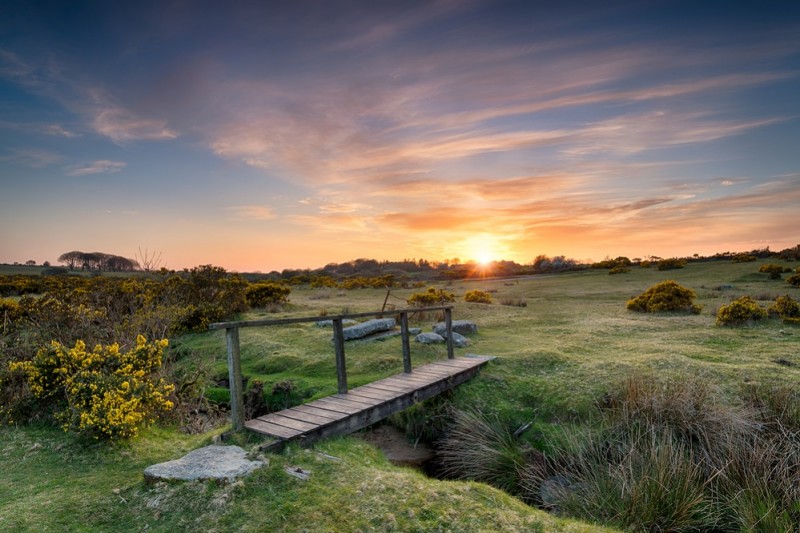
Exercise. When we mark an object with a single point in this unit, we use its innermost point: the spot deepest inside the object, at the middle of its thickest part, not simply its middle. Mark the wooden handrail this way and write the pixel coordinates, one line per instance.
(234, 360)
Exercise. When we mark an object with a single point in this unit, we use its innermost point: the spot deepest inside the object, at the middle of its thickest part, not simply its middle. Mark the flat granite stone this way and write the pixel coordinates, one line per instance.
(221, 463)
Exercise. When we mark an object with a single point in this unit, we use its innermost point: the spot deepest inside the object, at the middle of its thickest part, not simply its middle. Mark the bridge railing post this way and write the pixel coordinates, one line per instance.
(235, 378)
(448, 321)
(406, 343)
(338, 344)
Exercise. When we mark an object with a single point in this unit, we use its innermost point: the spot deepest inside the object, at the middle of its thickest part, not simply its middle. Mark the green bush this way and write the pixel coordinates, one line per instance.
(741, 311)
(431, 297)
(744, 258)
(671, 264)
(666, 296)
(476, 296)
(267, 293)
(619, 269)
(773, 270)
(794, 280)
(104, 393)
(786, 308)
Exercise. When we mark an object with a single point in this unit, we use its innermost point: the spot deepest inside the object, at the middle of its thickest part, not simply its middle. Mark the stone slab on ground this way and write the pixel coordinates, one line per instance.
(368, 328)
(220, 463)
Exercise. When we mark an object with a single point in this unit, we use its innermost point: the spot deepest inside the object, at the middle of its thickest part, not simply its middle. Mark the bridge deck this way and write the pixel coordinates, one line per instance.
(360, 407)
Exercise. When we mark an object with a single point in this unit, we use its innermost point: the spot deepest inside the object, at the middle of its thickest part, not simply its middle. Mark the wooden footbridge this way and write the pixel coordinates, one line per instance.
(349, 410)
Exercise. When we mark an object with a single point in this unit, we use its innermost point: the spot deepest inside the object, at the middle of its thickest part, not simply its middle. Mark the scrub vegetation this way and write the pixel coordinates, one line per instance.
(655, 421)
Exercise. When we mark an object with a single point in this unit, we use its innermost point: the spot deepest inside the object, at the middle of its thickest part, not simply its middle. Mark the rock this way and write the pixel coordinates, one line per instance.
(222, 463)
(368, 328)
(464, 327)
(460, 341)
(429, 338)
(329, 323)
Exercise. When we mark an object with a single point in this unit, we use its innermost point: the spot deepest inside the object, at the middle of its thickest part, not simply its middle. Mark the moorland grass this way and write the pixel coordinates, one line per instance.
(557, 358)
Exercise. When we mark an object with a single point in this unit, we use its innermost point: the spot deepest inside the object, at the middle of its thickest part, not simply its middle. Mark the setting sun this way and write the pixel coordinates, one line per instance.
(482, 248)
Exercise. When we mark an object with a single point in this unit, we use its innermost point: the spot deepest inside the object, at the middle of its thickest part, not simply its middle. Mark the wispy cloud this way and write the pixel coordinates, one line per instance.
(60, 131)
(252, 212)
(122, 126)
(101, 166)
(32, 157)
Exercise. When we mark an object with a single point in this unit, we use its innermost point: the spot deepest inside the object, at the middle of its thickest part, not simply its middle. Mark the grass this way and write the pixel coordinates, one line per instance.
(557, 357)
(52, 481)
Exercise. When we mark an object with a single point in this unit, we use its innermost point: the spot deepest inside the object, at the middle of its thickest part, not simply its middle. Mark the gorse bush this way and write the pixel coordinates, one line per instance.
(794, 280)
(666, 296)
(744, 258)
(773, 270)
(740, 311)
(786, 308)
(267, 293)
(431, 297)
(104, 392)
(671, 264)
(477, 296)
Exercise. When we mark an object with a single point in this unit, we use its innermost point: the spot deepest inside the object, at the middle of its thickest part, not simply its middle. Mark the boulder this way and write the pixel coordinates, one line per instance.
(464, 327)
(459, 341)
(369, 327)
(220, 463)
(429, 338)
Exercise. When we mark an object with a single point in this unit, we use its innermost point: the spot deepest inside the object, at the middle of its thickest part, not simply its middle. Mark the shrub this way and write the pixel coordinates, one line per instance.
(431, 297)
(786, 308)
(103, 393)
(666, 296)
(619, 269)
(267, 293)
(794, 280)
(517, 302)
(671, 264)
(477, 296)
(744, 258)
(741, 311)
(773, 270)
(645, 264)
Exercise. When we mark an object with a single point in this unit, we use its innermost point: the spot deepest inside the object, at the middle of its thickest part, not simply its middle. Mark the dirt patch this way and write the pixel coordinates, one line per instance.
(396, 447)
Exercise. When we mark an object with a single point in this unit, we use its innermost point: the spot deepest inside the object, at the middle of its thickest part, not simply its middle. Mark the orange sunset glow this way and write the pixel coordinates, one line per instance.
(274, 135)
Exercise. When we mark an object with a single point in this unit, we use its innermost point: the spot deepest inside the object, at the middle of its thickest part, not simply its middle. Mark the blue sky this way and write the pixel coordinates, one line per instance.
(271, 135)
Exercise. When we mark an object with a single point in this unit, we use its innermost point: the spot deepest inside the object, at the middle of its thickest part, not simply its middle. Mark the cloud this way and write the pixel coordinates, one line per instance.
(59, 131)
(252, 212)
(32, 157)
(121, 126)
(101, 166)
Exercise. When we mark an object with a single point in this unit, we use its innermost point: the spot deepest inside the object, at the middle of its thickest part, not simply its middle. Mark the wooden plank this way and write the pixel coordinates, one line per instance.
(307, 417)
(339, 405)
(316, 411)
(372, 394)
(271, 429)
(280, 420)
(392, 384)
(355, 399)
(363, 406)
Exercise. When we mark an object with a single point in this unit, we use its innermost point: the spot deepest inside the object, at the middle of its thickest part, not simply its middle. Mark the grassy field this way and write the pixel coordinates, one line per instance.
(556, 357)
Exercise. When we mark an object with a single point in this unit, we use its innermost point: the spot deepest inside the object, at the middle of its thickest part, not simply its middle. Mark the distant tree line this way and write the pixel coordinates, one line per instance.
(98, 261)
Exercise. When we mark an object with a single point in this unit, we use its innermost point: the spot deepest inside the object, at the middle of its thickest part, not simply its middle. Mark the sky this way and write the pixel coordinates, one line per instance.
(267, 135)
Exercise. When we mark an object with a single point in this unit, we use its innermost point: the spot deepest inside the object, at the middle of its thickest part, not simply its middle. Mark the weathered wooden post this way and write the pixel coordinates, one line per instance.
(406, 343)
(235, 379)
(338, 344)
(448, 321)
